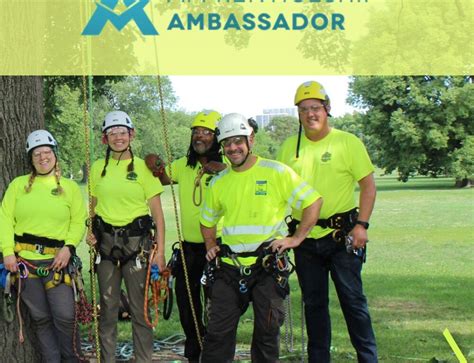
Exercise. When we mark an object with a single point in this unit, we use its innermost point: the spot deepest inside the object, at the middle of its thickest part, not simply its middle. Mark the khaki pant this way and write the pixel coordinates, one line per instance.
(110, 278)
(52, 311)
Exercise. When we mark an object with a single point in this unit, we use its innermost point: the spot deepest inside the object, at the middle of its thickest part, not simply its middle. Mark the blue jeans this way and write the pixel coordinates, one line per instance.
(314, 260)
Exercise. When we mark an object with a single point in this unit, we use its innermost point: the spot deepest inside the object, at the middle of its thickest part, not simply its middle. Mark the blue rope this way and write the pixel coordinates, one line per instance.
(154, 273)
(3, 276)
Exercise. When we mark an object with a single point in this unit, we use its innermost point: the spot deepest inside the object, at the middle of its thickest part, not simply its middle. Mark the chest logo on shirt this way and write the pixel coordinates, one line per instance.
(132, 176)
(326, 157)
(261, 187)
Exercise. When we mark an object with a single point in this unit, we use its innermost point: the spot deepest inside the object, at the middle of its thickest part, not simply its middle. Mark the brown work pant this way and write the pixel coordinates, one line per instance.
(52, 311)
(110, 279)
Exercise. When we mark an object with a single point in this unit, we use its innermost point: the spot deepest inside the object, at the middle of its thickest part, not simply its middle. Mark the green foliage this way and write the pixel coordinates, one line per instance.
(66, 127)
(415, 124)
(264, 145)
(138, 96)
(328, 47)
(401, 36)
(463, 164)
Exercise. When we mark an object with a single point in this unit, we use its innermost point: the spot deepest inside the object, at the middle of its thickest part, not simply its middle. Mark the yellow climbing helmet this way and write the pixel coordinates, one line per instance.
(311, 89)
(207, 119)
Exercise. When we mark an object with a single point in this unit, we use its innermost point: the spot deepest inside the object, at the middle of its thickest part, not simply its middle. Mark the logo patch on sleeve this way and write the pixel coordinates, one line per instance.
(261, 187)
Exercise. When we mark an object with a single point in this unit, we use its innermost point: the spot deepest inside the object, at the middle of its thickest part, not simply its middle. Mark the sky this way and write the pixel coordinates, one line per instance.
(249, 95)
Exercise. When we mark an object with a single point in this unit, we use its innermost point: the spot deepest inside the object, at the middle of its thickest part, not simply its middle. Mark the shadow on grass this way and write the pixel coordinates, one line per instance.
(419, 183)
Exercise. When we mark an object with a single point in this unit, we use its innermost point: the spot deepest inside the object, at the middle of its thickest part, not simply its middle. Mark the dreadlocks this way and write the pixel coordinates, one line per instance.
(213, 154)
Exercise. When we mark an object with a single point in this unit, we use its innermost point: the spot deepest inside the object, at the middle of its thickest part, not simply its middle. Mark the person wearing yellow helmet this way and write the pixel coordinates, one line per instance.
(332, 161)
(193, 173)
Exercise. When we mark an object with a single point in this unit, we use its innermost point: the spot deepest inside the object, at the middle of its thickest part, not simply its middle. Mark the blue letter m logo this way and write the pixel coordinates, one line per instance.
(105, 11)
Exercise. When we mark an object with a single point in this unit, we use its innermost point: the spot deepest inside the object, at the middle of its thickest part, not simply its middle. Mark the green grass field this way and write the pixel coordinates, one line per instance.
(419, 276)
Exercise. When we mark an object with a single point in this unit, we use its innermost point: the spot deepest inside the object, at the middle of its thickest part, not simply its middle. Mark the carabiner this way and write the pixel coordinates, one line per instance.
(22, 270)
(42, 271)
(245, 270)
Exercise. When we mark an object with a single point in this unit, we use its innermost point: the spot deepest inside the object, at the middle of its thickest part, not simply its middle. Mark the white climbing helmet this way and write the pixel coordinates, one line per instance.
(233, 124)
(40, 138)
(117, 118)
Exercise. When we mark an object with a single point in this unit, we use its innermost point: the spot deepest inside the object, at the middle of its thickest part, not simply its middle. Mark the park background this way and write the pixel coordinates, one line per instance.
(419, 132)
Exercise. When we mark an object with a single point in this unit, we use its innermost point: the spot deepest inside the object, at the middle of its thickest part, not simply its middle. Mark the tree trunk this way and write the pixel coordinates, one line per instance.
(464, 183)
(21, 111)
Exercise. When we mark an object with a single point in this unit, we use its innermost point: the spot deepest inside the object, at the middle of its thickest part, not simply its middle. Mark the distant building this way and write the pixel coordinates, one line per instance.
(264, 119)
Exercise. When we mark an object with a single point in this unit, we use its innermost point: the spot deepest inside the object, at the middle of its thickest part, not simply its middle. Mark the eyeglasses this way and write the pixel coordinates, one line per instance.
(46, 153)
(204, 132)
(237, 140)
(117, 133)
(314, 109)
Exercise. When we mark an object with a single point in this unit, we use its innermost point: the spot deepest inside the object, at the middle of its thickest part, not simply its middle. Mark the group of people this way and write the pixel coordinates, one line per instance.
(233, 205)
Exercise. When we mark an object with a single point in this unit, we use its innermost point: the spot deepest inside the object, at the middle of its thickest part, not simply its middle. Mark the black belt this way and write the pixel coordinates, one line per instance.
(37, 240)
(226, 251)
(340, 221)
(136, 228)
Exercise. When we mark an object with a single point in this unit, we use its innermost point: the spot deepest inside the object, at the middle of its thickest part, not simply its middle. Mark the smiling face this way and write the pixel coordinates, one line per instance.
(119, 138)
(314, 118)
(44, 160)
(202, 140)
(236, 149)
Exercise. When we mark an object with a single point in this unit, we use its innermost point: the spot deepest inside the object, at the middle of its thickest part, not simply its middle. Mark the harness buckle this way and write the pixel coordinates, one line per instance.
(282, 281)
(39, 248)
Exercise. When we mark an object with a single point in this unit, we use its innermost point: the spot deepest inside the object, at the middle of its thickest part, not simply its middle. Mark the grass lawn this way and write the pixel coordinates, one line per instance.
(419, 276)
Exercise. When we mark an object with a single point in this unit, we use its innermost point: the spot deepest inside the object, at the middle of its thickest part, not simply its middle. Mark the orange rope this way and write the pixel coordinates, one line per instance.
(156, 288)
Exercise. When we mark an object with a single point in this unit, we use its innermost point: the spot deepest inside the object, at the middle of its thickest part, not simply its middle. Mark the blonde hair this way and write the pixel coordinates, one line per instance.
(57, 174)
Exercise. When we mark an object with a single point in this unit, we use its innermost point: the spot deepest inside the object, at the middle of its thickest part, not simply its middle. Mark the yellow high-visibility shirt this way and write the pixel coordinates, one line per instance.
(121, 199)
(333, 165)
(185, 176)
(254, 204)
(41, 213)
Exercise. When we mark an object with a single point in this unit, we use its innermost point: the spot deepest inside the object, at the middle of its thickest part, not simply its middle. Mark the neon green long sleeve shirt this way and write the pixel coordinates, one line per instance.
(41, 213)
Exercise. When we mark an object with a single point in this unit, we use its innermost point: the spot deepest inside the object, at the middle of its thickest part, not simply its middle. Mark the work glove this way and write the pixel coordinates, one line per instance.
(155, 164)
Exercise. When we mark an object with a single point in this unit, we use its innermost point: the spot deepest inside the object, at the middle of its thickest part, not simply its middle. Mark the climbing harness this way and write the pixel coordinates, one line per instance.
(121, 253)
(277, 265)
(41, 245)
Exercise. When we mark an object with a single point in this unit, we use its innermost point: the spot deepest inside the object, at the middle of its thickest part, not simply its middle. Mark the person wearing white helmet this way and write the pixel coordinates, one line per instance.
(42, 219)
(333, 161)
(193, 173)
(124, 194)
(251, 196)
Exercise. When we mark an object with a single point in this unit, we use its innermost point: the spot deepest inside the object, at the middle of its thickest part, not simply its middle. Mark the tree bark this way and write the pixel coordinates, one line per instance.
(21, 112)
(464, 183)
